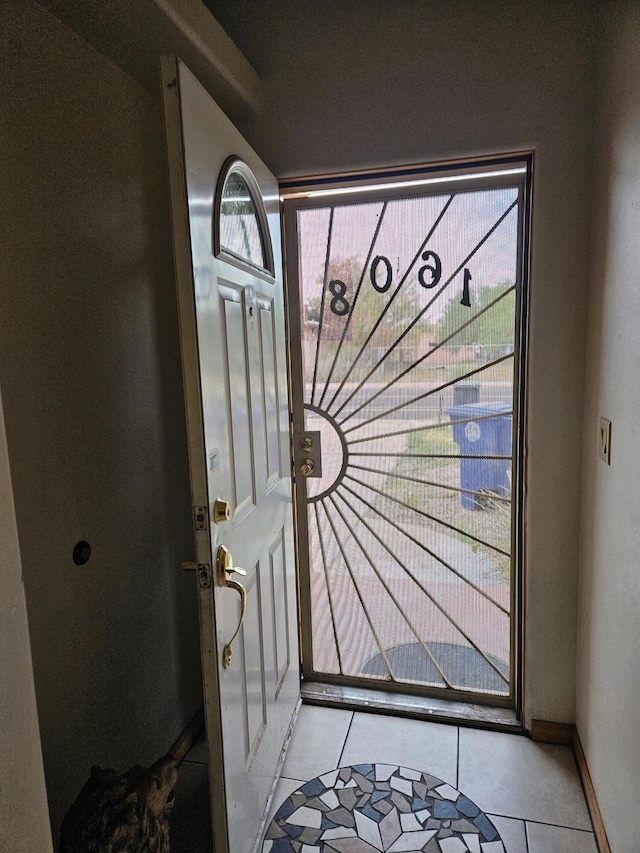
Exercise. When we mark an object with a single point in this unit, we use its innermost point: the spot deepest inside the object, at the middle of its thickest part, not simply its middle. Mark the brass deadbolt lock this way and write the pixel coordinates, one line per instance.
(307, 468)
(221, 511)
(307, 453)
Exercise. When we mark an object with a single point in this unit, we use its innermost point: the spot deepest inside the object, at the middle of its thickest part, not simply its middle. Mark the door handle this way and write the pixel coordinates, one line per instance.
(224, 570)
(227, 652)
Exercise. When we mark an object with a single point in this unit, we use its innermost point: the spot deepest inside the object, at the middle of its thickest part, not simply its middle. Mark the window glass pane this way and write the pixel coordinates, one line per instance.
(239, 226)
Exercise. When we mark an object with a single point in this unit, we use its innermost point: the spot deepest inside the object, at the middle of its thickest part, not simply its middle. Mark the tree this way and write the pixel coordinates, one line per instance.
(369, 306)
(495, 326)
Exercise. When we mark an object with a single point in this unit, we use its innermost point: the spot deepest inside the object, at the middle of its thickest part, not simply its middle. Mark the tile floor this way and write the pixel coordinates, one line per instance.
(530, 793)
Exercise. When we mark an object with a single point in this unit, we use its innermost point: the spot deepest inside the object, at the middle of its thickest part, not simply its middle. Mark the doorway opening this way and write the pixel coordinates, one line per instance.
(407, 317)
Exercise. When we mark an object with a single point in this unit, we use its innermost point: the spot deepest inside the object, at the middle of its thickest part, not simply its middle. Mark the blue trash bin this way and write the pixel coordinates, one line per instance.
(482, 429)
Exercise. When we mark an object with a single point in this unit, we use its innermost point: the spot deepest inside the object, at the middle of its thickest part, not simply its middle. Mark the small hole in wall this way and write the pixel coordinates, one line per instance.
(81, 553)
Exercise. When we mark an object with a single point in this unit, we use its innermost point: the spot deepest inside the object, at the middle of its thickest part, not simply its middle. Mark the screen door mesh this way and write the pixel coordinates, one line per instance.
(408, 317)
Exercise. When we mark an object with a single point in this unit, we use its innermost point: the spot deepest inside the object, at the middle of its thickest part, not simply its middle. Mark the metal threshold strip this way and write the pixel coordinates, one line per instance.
(435, 710)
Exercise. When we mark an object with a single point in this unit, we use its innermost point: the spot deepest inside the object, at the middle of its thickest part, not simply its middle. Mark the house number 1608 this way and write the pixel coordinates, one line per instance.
(381, 276)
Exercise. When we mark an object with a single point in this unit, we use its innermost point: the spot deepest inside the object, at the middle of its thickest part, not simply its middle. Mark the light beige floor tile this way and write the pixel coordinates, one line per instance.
(513, 776)
(512, 832)
(429, 747)
(557, 839)
(284, 789)
(317, 742)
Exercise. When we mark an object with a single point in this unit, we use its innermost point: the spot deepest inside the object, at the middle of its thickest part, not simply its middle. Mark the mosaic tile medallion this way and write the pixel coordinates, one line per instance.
(380, 808)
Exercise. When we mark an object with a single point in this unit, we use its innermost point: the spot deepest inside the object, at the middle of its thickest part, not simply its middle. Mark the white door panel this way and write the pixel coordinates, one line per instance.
(232, 330)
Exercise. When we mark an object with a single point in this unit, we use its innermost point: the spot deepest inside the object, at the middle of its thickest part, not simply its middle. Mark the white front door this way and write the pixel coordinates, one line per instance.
(229, 271)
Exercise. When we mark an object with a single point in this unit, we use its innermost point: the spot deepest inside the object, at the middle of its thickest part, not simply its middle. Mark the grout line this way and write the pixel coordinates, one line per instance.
(491, 815)
(557, 825)
(344, 743)
(541, 822)
(526, 837)
(458, 758)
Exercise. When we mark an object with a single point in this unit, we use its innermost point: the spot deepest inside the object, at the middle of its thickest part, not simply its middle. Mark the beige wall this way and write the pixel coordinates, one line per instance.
(90, 373)
(608, 695)
(356, 85)
(24, 817)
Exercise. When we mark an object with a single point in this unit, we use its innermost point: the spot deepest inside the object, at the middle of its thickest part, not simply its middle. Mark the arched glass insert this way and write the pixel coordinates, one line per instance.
(241, 231)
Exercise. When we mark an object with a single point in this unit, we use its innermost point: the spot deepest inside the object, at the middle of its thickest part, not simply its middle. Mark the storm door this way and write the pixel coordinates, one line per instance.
(406, 316)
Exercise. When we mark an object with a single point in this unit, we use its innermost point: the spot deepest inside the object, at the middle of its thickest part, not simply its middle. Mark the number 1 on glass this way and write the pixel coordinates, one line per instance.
(466, 297)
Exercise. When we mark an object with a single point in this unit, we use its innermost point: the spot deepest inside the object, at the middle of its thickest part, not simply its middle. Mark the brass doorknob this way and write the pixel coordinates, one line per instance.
(307, 468)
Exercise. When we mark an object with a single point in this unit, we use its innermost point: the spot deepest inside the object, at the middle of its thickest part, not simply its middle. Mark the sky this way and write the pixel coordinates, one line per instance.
(406, 223)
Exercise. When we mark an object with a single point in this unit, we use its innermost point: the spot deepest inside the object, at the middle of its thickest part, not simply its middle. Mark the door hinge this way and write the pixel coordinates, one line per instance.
(200, 517)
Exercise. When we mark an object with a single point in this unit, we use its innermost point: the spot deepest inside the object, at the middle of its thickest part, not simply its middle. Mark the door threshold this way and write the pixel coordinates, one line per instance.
(415, 707)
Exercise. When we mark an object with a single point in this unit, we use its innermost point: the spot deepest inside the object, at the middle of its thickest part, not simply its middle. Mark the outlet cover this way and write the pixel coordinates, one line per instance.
(604, 442)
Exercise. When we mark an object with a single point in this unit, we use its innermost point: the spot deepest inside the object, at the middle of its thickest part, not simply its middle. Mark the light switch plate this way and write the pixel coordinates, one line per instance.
(604, 441)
